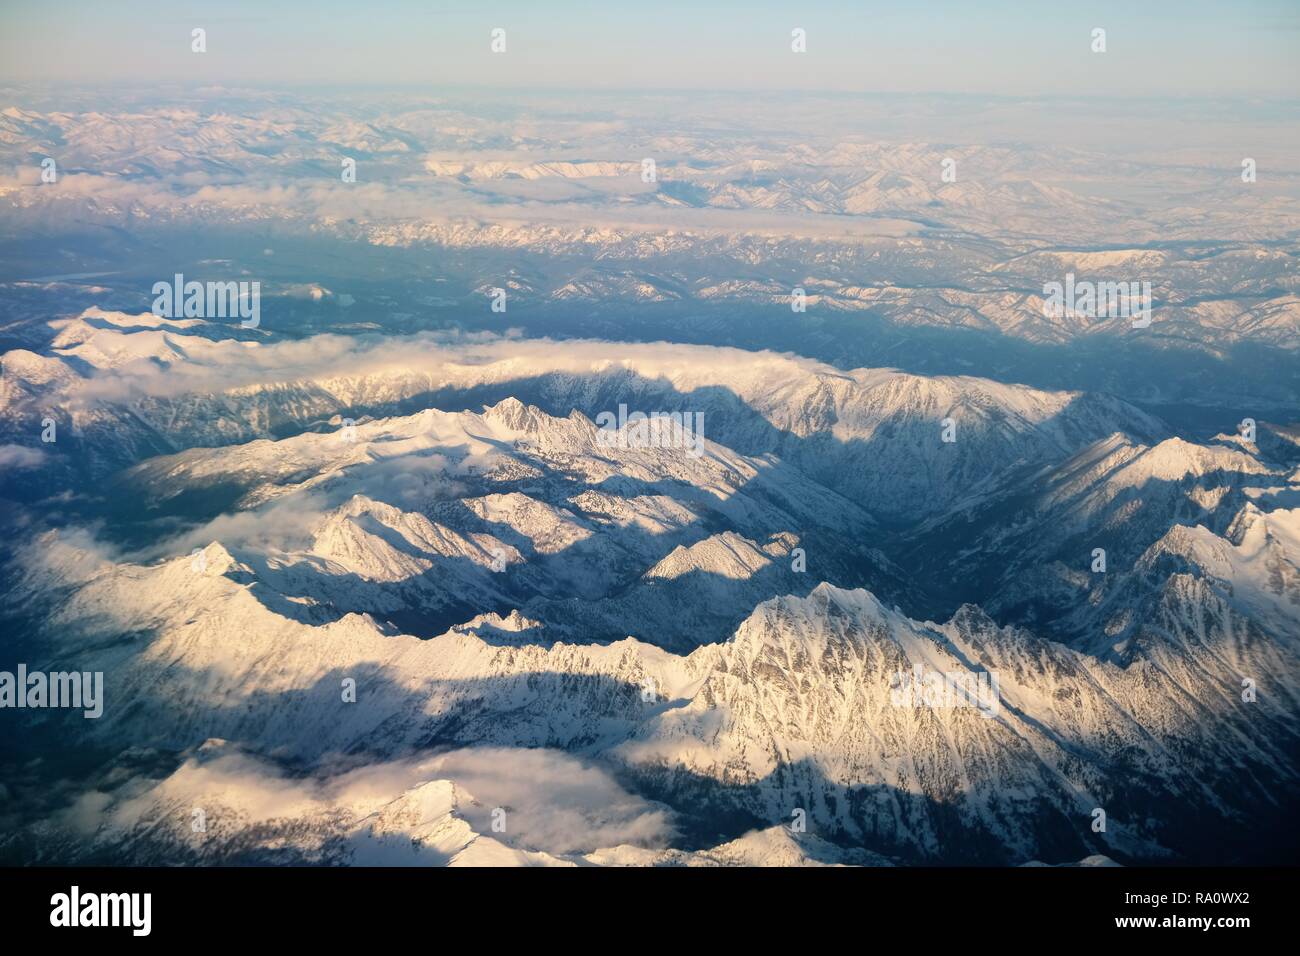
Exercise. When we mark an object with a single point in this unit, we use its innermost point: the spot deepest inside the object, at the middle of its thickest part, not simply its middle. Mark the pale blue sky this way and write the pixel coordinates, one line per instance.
(1155, 47)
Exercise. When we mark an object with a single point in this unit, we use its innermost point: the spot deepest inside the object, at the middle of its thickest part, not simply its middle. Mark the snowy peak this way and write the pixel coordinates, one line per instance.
(727, 555)
(1175, 459)
(515, 415)
(1256, 566)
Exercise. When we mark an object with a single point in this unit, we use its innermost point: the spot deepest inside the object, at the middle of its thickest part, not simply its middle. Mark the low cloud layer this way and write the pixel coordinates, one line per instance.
(20, 456)
(230, 364)
(557, 803)
(554, 802)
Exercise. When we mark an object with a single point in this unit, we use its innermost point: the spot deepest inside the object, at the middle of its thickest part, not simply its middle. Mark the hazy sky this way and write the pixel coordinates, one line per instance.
(1155, 47)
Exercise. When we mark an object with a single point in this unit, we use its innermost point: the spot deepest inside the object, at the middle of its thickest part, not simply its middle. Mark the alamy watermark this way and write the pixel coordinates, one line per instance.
(79, 690)
(945, 689)
(1093, 300)
(682, 430)
(75, 908)
(208, 300)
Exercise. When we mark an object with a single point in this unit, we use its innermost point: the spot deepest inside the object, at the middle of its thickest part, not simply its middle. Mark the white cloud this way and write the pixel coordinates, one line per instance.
(20, 456)
(554, 801)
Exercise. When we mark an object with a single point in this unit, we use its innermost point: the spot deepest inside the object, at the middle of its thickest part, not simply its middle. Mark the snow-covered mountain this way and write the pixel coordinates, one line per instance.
(876, 435)
(930, 235)
(805, 709)
(1117, 503)
(677, 481)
